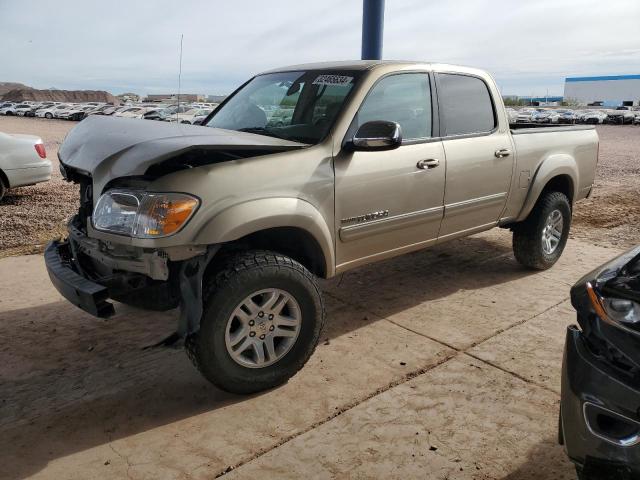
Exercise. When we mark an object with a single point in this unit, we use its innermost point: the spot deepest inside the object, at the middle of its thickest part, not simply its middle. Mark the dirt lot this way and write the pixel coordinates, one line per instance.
(442, 364)
(32, 215)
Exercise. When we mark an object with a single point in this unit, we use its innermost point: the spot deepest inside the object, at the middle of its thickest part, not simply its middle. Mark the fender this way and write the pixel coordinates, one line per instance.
(552, 166)
(252, 216)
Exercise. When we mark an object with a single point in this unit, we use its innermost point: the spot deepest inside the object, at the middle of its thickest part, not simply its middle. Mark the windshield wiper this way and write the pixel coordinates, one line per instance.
(260, 131)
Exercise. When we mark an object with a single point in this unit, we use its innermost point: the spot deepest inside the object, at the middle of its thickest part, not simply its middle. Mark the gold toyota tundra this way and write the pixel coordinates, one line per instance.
(303, 172)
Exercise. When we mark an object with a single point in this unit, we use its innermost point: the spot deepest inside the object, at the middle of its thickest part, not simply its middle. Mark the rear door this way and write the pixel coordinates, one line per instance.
(479, 155)
(387, 202)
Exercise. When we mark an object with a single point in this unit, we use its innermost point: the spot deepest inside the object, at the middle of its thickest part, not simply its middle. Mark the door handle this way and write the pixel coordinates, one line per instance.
(427, 164)
(503, 152)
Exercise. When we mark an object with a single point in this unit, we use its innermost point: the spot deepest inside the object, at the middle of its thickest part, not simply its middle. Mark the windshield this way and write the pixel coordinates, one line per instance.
(297, 106)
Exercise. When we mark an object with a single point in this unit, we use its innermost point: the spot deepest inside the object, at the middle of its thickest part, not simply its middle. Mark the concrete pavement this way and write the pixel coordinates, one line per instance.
(440, 364)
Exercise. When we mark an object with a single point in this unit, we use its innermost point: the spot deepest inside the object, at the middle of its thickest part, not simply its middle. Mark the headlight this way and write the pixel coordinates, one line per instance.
(619, 312)
(142, 214)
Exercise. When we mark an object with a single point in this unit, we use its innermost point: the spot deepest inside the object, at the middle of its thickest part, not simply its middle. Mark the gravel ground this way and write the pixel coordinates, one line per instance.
(31, 216)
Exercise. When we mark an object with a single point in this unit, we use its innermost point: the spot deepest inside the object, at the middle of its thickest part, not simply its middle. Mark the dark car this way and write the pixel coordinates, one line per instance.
(600, 406)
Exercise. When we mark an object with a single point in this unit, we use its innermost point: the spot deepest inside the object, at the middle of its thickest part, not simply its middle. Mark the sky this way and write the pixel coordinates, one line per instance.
(529, 46)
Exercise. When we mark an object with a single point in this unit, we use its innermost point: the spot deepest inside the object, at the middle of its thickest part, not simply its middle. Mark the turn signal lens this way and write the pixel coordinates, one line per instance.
(163, 215)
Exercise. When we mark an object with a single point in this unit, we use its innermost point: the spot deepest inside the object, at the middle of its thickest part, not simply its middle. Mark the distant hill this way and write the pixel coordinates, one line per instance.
(8, 86)
(22, 93)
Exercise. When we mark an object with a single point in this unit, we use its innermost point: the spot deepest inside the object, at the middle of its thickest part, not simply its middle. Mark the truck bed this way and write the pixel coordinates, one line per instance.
(524, 128)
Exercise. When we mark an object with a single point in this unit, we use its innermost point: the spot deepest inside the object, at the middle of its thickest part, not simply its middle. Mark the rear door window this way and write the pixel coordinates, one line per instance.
(465, 105)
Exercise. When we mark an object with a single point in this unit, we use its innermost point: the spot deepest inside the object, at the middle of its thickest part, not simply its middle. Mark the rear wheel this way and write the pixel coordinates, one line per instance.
(263, 315)
(539, 241)
(3, 188)
(48, 115)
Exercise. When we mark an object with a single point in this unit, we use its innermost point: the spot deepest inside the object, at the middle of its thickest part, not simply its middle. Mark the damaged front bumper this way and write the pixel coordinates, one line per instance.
(600, 399)
(82, 292)
(88, 272)
(600, 426)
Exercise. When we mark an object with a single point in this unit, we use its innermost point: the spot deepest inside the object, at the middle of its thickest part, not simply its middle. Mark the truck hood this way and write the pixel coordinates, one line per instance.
(106, 148)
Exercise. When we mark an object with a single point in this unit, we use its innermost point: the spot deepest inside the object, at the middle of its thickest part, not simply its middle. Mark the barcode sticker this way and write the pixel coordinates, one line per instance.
(332, 80)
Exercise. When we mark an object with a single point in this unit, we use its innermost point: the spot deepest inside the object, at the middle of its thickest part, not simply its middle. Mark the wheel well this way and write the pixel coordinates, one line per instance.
(290, 241)
(4, 179)
(561, 183)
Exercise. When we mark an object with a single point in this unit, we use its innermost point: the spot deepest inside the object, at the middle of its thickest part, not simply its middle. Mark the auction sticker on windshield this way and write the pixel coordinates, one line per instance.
(332, 80)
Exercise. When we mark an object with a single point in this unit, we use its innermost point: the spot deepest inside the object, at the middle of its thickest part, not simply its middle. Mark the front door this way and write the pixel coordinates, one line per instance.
(387, 202)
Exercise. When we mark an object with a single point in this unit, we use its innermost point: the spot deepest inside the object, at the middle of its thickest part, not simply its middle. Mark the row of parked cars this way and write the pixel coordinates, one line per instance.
(192, 114)
(618, 116)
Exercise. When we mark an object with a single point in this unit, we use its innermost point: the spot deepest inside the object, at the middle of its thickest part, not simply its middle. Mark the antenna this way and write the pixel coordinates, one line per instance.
(179, 76)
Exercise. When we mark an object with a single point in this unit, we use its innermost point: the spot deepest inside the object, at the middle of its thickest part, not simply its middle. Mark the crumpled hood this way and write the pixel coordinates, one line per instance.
(106, 148)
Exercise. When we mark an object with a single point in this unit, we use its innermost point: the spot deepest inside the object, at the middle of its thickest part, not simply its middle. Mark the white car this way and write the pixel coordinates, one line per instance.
(65, 112)
(189, 116)
(593, 116)
(17, 109)
(526, 115)
(50, 112)
(512, 114)
(23, 161)
(547, 116)
(131, 112)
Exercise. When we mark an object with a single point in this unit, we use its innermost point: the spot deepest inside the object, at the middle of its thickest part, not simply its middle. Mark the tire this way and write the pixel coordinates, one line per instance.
(239, 278)
(3, 188)
(48, 115)
(528, 245)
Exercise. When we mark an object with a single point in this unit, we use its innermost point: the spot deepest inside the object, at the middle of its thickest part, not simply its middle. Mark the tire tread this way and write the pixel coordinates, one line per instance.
(227, 273)
(526, 241)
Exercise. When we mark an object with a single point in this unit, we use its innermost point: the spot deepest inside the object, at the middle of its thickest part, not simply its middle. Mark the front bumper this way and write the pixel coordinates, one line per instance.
(82, 292)
(600, 425)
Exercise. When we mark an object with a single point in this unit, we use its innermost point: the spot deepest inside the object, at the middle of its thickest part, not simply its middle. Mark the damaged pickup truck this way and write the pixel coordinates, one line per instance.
(234, 220)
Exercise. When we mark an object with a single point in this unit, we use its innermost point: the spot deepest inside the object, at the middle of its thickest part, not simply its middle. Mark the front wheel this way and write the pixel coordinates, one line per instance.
(539, 241)
(263, 315)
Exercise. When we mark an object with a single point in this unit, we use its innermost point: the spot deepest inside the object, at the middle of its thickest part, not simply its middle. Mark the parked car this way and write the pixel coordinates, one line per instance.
(567, 116)
(233, 221)
(198, 119)
(280, 117)
(23, 161)
(512, 114)
(599, 415)
(547, 116)
(36, 107)
(593, 117)
(80, 112)
(50, 112)
(620, 116)
(174, 110)
(189, 116)
(100, 110)
(131, 112)
(64, 113)
(526, 115)
(15, 109)
(158, 113)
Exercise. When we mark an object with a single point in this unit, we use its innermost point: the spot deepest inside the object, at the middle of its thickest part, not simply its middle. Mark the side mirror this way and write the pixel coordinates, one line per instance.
(375, 136)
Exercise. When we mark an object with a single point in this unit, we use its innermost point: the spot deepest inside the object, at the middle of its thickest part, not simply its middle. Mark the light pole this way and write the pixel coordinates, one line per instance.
(372, 29)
